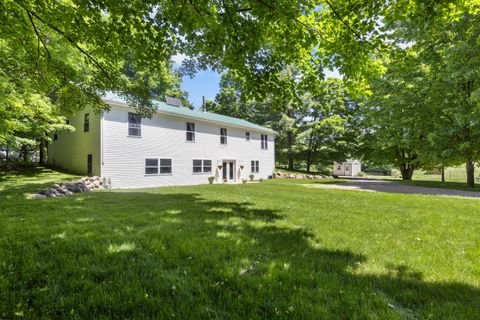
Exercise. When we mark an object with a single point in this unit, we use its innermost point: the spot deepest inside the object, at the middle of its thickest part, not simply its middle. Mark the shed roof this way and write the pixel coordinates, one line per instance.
(162, 107)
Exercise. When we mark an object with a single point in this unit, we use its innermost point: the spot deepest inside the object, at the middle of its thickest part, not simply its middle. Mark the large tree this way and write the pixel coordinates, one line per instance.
(425, 108)
(329, 130)
(397, 117)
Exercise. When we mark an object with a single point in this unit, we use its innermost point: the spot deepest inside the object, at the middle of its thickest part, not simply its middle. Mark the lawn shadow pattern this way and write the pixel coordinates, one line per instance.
(180, 255)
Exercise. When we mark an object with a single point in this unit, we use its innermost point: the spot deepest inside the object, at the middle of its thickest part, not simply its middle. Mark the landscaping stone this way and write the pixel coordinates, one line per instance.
(280, 175)
(85, 184)
(37, 196)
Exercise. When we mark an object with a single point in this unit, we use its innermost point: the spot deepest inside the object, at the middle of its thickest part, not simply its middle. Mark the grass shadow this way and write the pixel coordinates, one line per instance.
(167, 253)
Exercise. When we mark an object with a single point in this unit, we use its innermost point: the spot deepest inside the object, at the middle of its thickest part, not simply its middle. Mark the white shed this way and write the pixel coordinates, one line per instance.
(349, 168)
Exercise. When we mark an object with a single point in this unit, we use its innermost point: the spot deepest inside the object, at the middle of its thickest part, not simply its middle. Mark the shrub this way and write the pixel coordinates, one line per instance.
(360, 174)
(251, 176)
(244, 180)
(210, 179)
(260, 180)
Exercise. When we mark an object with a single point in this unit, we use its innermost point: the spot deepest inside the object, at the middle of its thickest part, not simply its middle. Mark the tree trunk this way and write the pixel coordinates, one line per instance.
(309, 157)
(407, 171)
(309, 161)
(443, 172)
(24, 153)
(470, 174)
(41, 153)
(290, 150)
(7, 155)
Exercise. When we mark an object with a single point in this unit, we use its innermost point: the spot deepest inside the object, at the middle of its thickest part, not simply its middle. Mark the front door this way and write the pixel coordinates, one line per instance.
(228, 171)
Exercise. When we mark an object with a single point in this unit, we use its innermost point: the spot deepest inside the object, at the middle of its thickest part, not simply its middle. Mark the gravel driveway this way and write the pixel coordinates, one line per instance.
(372, 185)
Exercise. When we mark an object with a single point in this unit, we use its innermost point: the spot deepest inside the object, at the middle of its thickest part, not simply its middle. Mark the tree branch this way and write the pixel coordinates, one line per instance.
(72, 42)
(341, 20)
(39, 39)
(308, 27)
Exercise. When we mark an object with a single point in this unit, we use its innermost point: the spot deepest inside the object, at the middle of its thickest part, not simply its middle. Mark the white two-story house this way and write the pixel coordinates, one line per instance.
(177, 146)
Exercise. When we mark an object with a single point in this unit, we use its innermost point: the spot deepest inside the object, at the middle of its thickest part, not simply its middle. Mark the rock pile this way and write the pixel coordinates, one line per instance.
(85, 184)
(280, 175)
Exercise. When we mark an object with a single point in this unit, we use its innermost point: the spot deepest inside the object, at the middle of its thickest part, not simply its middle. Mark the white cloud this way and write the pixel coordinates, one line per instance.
(179, 58)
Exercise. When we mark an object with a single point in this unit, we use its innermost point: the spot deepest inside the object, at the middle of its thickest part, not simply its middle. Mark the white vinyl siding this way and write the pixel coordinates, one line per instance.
(71, 149)
(163, 136)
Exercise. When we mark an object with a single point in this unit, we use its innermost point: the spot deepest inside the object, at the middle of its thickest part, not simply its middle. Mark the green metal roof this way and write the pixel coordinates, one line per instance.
(162, 107)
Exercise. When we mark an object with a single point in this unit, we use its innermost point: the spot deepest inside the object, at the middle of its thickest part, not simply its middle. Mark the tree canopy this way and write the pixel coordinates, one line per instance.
(408, 60)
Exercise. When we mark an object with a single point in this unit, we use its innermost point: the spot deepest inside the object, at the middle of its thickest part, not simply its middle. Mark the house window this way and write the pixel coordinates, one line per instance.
(165, 166)
(200, 166)
(197, 166)
(255, 166)
(190, 131)
(86, 122)
(247, 136)
(264, 139)
(207, 166)
(55, 136)
(223, 135)
(134, 125)
(151, 166)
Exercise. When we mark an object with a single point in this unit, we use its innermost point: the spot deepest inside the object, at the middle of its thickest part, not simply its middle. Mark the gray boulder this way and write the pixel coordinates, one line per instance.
(38, 196)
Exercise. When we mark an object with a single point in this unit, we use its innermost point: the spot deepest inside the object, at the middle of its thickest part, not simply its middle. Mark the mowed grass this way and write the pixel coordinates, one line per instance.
(271, 250)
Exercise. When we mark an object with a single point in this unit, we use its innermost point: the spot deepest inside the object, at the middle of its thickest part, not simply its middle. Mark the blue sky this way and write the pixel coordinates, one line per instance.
(206, 83)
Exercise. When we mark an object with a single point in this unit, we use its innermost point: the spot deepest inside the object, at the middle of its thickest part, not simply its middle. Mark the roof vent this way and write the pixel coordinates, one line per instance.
(173, 101)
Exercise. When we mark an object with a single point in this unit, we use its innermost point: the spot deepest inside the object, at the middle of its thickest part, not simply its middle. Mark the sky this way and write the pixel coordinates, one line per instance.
(206, 83)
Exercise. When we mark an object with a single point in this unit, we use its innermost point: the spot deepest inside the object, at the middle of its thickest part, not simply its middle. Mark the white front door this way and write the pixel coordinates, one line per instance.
(228, 170)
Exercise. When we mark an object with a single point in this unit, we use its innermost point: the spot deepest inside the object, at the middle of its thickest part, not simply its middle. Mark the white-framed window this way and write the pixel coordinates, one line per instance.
(151, 166)
(86, 122)
(223, 136)
(201, 166)
(264, 139)
(207, 166)
(134, 124)
(165, 166)
(197, 166)
(255, 166)
(247, 136)
(155, 166)
(190, 131)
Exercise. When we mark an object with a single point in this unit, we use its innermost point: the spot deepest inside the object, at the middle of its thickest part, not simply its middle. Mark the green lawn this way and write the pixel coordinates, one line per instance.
(269, 250)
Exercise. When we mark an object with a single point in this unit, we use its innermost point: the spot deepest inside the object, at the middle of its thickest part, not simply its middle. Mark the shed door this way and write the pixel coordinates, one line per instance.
(348, 170)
